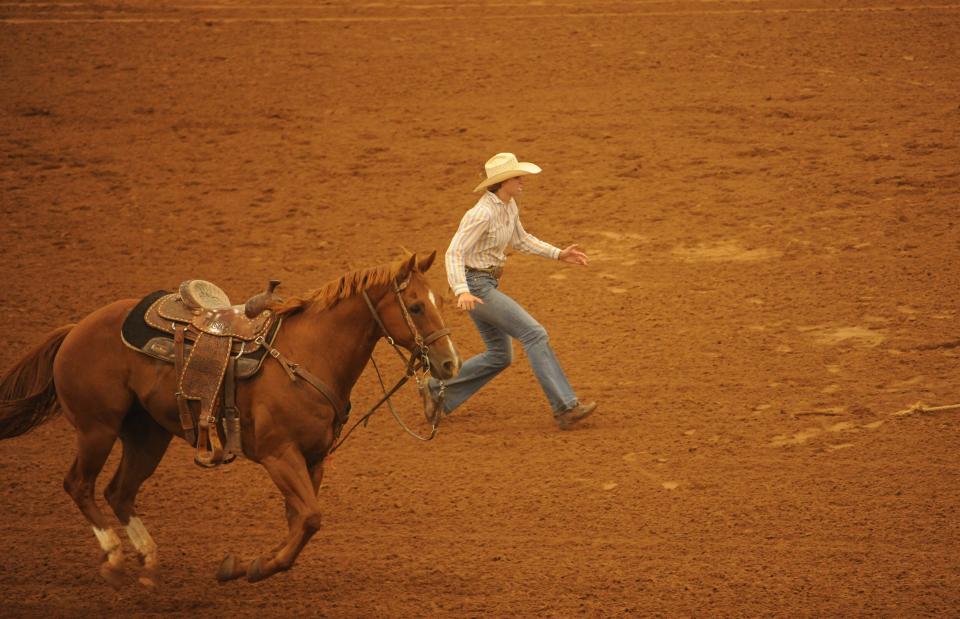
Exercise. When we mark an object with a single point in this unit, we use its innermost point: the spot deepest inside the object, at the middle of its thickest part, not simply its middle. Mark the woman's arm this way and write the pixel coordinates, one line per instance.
(529, 244)
(472, 228)
(526, 242)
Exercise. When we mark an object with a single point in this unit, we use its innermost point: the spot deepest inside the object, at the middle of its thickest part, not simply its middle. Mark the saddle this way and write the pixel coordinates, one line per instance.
(212, 344)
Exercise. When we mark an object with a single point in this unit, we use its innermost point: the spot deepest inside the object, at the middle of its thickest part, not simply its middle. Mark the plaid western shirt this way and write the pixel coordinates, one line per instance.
(482, 239)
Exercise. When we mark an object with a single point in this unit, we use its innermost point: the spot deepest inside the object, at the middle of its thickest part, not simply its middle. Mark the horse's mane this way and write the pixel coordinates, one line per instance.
(348, 285)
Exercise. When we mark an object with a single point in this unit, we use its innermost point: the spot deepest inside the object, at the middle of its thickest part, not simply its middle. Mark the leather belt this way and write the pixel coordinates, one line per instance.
(496, 272)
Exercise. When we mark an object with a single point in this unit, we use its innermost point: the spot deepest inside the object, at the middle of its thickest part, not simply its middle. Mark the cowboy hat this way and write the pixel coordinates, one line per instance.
(502, 166)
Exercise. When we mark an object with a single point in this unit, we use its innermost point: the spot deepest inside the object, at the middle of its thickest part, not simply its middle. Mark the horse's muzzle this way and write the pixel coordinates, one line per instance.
(444, 361)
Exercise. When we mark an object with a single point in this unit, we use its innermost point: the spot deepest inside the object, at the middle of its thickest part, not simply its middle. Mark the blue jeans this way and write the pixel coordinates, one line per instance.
(498, 319)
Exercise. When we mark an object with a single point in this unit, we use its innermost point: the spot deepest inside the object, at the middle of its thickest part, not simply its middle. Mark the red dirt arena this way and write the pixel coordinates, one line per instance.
(767, 190)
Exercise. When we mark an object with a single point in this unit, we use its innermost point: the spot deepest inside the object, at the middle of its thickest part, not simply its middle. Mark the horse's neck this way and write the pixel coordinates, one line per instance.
(335, 344)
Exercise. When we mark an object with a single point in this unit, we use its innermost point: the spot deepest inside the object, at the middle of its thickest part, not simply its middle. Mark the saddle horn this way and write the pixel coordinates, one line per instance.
(258, 303)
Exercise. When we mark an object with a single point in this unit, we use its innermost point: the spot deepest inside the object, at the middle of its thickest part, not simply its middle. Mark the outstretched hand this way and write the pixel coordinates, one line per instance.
(574, 255)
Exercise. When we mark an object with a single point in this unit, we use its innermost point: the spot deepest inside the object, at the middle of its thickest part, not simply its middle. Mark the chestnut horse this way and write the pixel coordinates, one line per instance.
(107, 391)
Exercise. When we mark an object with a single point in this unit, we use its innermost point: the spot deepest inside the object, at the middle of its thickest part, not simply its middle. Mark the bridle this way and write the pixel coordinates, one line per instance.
(418, 361)
(422, 343)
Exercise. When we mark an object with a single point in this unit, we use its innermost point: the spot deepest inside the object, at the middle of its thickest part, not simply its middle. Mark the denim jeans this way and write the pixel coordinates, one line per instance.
(498, 319)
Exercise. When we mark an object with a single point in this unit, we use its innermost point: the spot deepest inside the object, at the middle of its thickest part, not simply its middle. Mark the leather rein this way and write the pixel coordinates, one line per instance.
(418, 360)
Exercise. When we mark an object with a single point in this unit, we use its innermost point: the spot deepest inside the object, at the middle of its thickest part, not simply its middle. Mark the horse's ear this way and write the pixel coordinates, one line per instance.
(407, 267)
(427, 262)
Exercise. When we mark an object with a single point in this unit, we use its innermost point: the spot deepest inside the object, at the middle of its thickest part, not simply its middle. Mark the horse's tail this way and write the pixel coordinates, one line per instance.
(27, 394)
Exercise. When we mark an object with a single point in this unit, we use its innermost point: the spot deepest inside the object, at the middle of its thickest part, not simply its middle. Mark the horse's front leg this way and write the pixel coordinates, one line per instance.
(289, 472)
(316, 473)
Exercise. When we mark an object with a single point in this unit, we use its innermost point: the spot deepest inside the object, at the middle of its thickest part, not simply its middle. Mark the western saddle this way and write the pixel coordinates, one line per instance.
(210, 339)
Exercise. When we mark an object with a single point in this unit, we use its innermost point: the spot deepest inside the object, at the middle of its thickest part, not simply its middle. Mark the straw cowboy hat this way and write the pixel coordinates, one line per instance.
(502, 166)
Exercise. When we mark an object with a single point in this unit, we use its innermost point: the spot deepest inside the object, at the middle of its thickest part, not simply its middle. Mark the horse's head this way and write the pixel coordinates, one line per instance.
(410, 313)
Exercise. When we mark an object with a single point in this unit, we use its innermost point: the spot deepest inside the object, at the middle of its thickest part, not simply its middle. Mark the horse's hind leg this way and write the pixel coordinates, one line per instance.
(92, 372)
(93, 447)
(144, 443)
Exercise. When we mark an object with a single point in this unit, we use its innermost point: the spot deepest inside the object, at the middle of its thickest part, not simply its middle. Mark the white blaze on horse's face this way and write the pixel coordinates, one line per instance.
(453, 353)
(449, 340)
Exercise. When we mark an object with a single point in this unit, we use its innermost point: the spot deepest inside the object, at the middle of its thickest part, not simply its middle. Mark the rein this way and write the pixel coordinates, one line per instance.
(417, 361)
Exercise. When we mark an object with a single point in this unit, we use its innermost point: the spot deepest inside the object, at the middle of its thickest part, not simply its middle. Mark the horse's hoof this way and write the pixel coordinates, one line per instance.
(148, 581)
(255, 571)
(229, 570)
(112, 575)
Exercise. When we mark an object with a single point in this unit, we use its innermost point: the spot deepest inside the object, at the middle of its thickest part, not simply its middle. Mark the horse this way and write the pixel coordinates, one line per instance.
(109, 391)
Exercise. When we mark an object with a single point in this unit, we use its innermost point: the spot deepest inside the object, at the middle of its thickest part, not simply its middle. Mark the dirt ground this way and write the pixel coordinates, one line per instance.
(767, 191)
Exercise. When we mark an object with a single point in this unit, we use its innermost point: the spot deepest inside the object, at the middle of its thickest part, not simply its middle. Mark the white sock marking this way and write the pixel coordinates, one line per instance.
(110, 543)
(142, 541)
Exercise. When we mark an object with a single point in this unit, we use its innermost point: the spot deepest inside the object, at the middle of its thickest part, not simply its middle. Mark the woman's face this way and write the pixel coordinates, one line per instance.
(513, 186)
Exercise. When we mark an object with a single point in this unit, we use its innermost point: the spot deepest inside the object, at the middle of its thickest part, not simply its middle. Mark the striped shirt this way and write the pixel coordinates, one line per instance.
(482, 239)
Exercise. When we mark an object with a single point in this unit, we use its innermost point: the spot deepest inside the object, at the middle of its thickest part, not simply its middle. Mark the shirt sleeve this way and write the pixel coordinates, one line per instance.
(472, 228)
(527, 243)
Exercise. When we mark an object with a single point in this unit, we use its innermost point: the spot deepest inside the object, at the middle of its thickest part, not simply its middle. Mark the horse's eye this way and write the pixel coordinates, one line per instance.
(416, 309)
